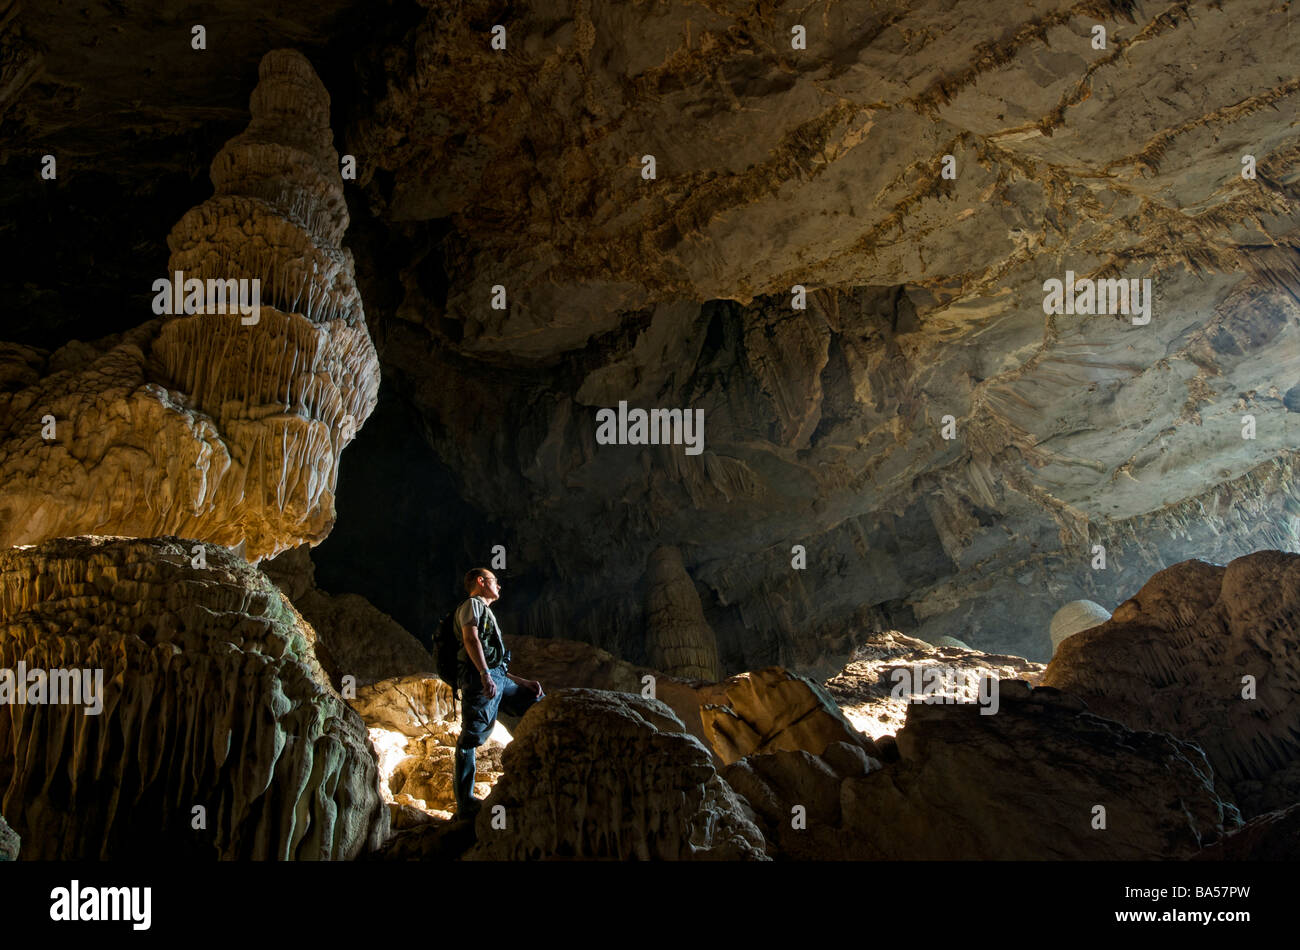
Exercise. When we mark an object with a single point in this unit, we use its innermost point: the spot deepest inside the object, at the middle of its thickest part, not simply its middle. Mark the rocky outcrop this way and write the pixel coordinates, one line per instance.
(775, 710)
(222, 426)
(1205, 653)
(1041, 779)
(1273, 836)
(678, 638)
(595, 774)
(9, 842)
(217, 733)
(890, 671)
(353, 637)
(413, 725)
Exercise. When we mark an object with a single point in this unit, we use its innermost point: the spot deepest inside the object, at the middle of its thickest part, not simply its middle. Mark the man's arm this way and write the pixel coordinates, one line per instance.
(474, 650)
(531, 685)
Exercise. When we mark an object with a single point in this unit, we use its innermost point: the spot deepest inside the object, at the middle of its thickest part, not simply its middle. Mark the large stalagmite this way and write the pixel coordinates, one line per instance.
(203, 425)
(219, 735)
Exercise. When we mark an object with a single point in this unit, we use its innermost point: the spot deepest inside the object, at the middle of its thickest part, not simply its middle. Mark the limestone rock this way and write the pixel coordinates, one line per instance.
(890, 670)
(412, 705)
(1174, 658)
(354, 637)
(1272, 836)
(201, 425)
(1023, 785)
(772, 710)
(212, 696)
(1075, 617)
(562, 664)
(413, 726)
(595, 774)
(678, 638)
(9, 842)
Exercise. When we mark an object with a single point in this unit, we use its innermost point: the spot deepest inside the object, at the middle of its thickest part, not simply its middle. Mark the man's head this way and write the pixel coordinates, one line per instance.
(481, 582)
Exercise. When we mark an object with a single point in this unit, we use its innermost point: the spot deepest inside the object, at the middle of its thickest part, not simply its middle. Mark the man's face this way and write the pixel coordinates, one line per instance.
(491, 585)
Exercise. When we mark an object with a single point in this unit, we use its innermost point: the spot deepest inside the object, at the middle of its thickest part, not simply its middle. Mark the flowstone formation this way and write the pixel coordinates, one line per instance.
(217, 735)
(595, 774)
(1208, 654)
(226, 427)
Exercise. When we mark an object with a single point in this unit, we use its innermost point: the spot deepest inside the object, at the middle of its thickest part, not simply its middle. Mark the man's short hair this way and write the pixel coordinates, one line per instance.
(471, 579)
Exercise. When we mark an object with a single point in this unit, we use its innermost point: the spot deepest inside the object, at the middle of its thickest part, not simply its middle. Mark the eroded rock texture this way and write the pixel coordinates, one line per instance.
(773, 710)
(1274, 836)
(353, 637)
(1023, 784)
(212, 698)
(413, 725)
(823, 168)
(595, 774)
(678, 638)
(9, 842)
(890, 670)
(201, 425)
(1174, 659)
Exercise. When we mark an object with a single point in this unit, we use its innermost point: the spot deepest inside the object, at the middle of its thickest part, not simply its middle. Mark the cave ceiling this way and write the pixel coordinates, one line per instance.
(938, 443)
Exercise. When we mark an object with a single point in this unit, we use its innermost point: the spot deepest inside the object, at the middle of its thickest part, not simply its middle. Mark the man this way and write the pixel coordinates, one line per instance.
(486, 682)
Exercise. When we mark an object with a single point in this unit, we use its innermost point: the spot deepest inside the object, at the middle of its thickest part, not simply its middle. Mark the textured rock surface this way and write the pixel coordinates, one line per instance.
(773, 710)
(212, 697)
(10, 843)
(594, 774)
(199, 425)
(1023, 785)
(413, 725)
(1273, 836)
(353, 637)
(1076, 617)
(874, 696)
(1173, 659)
(678, 638)
(822, 168)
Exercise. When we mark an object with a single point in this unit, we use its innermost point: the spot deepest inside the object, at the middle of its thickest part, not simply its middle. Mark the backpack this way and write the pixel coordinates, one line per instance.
(446, 644)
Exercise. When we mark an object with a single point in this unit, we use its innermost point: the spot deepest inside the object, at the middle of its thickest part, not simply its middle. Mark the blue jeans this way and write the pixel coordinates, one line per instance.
(477, 716)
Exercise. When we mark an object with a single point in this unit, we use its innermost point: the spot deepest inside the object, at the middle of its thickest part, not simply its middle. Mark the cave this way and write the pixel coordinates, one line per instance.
(879, 420)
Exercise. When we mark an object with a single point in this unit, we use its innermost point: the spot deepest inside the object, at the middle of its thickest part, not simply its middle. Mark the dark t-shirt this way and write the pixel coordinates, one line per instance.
(476, 611)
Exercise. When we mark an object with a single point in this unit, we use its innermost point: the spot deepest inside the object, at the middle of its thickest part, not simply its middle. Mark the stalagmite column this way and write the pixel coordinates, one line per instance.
(212, 424)
(679, 640)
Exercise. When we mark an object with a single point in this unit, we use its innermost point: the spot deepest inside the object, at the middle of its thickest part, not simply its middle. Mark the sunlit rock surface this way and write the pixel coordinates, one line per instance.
(212, 699)
(1176, 658)
(891, 670)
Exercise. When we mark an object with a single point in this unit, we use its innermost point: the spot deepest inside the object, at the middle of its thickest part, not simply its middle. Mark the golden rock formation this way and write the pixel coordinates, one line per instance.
(226, 427)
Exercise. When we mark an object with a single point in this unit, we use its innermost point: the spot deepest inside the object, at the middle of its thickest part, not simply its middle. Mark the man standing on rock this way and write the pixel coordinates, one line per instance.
(486, 683)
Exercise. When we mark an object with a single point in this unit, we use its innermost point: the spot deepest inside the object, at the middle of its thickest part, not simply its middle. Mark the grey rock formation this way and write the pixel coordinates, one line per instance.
(9, 842)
